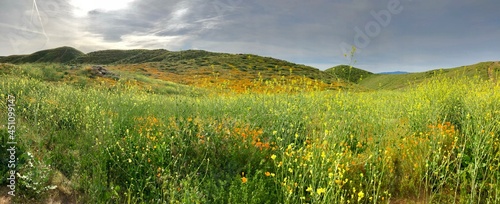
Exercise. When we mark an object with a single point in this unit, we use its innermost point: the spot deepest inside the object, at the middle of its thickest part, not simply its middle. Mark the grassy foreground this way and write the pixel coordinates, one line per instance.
(437, 142)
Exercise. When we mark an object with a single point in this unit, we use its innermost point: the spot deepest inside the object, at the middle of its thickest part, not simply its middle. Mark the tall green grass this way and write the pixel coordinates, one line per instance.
(437, 142)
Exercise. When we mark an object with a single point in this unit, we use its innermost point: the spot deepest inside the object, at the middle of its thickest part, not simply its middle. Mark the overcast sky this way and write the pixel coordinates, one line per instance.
(389, 35)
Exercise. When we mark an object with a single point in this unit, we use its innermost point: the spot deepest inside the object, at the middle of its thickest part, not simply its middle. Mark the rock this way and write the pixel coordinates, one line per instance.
(100, 71)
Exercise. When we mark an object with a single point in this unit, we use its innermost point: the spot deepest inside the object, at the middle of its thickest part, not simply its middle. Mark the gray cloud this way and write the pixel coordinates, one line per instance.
(423, 35)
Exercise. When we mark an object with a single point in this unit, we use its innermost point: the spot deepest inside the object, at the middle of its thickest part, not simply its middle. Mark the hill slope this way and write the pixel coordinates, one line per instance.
(13, 59)
(57, 55)
(193, 66)
(190, 62)
(348, 73)
(110, 56)
(484, 70)
(240, 72)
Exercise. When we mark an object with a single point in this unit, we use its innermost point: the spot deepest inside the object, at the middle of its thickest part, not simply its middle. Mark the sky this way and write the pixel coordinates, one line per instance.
(389, 35)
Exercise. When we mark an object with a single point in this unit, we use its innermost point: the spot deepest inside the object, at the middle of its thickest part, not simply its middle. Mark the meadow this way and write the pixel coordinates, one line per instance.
(434, 142)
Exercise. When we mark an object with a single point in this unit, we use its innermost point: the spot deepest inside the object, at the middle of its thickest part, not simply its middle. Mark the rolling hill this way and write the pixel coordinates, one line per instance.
(348, 73)
(115, 56)
(13, 59)
(199, 68)
(191, 66)
(57, 55)
(187, 62)
(484, 70)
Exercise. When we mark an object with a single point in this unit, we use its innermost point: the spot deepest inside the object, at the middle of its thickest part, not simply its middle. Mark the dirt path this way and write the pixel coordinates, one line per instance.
(4, 197)
(55, 197)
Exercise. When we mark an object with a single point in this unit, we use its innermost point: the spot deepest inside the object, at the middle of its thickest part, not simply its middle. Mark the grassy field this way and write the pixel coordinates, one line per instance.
(119, 142)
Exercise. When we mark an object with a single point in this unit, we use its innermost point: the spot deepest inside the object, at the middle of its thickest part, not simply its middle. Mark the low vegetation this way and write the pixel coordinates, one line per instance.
(102, 140)
(154, 126)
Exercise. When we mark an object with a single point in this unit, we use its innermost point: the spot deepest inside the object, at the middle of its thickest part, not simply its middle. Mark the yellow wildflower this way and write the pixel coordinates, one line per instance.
(361, 195)
(320, 191)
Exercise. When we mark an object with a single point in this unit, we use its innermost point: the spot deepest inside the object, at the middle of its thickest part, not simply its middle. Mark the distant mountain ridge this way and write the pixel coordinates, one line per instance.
(394, 72)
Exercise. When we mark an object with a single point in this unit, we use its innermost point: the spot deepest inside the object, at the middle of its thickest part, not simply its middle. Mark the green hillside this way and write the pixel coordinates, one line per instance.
(140, 56)
(183, 61)
(348, 73)
(241, 66)
(57, 55)
(107, 56)
(144, 56)
(398, 81)
(177, 62)
(12, 59)
(248, 63)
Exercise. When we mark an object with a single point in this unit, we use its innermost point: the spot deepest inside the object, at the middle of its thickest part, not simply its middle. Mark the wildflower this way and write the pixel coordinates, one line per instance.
(361, 195)
(267, 173)
(320, 191)
(129, 160)
(309, 189)
(273, 157)
(243, 178)
(338, 182)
